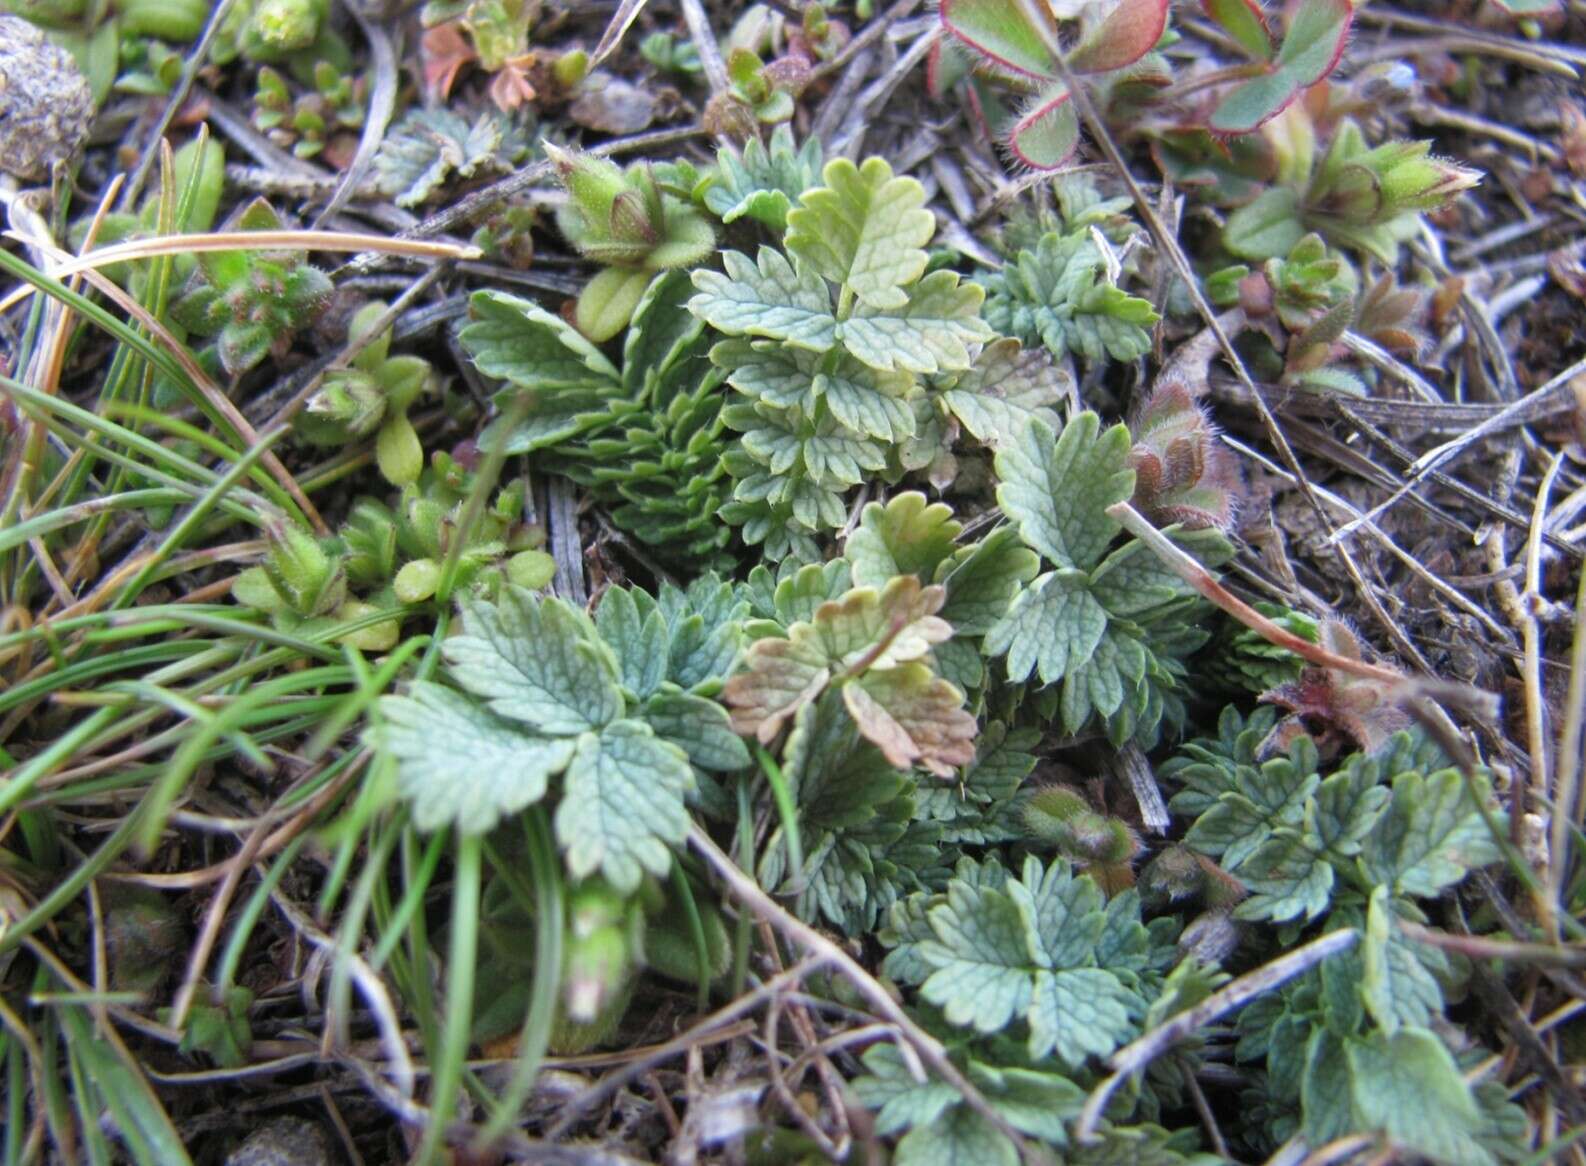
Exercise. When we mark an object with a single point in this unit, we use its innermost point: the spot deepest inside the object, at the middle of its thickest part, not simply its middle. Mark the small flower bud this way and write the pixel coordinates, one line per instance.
(286, 25)
(309, 578)
(349, 406)
(370, 538)
(604, 945)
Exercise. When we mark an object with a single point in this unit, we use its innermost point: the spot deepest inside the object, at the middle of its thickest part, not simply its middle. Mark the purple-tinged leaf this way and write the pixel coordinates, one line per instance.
(1245, 22)
(1046, 135)
(999, 30)
(1129, 32)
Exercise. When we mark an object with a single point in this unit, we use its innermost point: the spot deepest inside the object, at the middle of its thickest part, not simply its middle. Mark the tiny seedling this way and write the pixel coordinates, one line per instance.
(371, 396)
(252, 302)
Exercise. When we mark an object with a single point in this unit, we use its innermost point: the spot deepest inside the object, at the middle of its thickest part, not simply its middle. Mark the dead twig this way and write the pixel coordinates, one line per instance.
(930, 1051)
(1139, 1053)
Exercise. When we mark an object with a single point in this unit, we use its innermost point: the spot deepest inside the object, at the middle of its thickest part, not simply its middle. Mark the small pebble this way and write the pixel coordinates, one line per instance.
(45, 104)
(285, 1141)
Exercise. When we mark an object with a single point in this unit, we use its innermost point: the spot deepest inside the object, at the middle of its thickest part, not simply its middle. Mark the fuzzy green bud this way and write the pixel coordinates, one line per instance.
(591, 183)
(420, 525)
(1173, 875)
(571, 68)
(1047, 812)
(349, 406)
(308, 577)
(286, 25)
(1424, 183)
(604, 946)
(370, 539)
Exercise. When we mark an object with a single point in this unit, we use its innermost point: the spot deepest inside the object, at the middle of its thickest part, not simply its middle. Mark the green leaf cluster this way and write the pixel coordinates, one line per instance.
(548, 693)
(371, 396)
(1350, 1048)
(1044, 953)
(1109, 622)
(647, 440)
(1364, 198)
(626, 221)
(763, 183)
(1398, 818)
(1058, 294)
(826, 344)
(252, 302)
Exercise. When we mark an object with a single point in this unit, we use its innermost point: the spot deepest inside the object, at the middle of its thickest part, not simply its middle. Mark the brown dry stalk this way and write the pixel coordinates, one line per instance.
(1187, 568)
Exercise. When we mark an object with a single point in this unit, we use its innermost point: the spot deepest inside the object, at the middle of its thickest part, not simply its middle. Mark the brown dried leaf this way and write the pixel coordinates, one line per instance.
(781, 677)
(914, 717)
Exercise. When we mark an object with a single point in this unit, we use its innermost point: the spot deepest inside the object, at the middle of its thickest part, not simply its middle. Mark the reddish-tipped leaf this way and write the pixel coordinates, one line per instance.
(1047, 133)
(1000, 31)
(1129, 32)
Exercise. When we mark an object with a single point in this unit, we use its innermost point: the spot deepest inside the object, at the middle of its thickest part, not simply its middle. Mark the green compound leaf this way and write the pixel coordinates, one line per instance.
(521, 342)
(639, 640)
(905, 536)
(538, 661)
(901, 1101)
(930, 333)
(1007, 384)
(1059, 295)
(1058, 488)
(1431, 836)
(959, 1137)
(1408, 1087)
(458, 764)
(763, 184)
(662, 333)
(1399, 983)
(865, 229)
(1077, 1012)
(862, 400)
(1051, 627)
(1029, 951)
(622, 804)
(697, 726)
(980, 956)
(1288, 876)
(983, 579)
(770, 299)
